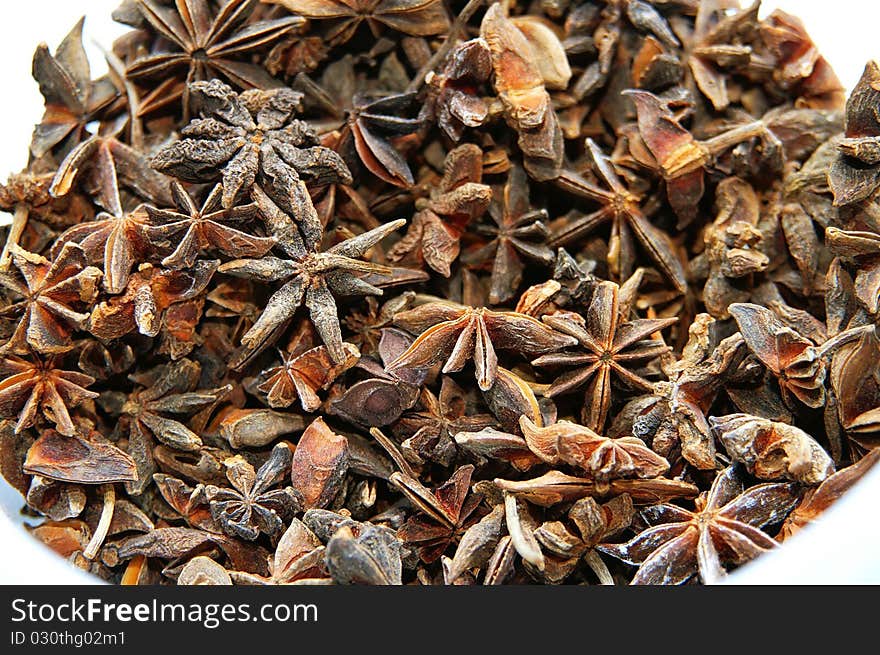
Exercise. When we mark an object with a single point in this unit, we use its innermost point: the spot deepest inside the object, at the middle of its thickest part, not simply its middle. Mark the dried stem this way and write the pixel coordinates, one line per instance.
(733, 137)
(100, 534)
(599, 568)
(16, 229)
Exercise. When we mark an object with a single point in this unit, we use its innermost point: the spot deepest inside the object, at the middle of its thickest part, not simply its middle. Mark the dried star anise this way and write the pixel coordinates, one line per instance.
(454, 333)
(243, 138)
(208, 44)
(725, 528)
(429, 431)
(189, 230)
(31, 386)
(613, 345)
(251, 507)
(518, 230)
(414, 17)
(448, 512)
(54, 296)
(458, 199)
(309, 277)
(302, 374)
(708, 334)
(73, 99)
(621, 207)
(603, 458)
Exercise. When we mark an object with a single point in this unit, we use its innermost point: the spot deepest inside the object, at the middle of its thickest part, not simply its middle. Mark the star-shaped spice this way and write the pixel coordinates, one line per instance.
(612, 345)
(249, 137)
(413, 17)
(36, 212)
(518, 231)
(251, 506)
(73, 100)
(437, 226)
(448, 509)
(55, 295)
(602, 457)
(207, 44)
(429, 432)
(309, 277)
(454, 99)
(145, 414)
(31, 386)
(302, 374)
(455, 333)
(115, 238)
(621, 207)
(855, 175)
(724, 528)
(674, 416)
(792, 358)
(149, 295)
(208, 227)
(299, 556)
(373, 121)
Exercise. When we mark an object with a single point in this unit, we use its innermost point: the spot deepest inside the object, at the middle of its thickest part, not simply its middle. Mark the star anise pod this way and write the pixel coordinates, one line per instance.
(573, 539)
(795, 361)
(73, 100)
(429, 431)
(770, 450)
(373, 122)
(302, 374)
(818, 500)
(144, 414)
(56, 296)
(454, 101)
(298, 558)
(208, 44)
(309, 277)
(455, 333)
(855, 175)
(521, 89)
(449, 510)
(724, 528)
(734, 241)
(115, 238)
(251, 506)
(674, 416)
(36, 213)
(437, 226)
(208, 227)
(612, 345)
(253, 137)
(518, 231)
(622, 208)
(602, 457)
(412, 17)
(149, 296)
(35, 385)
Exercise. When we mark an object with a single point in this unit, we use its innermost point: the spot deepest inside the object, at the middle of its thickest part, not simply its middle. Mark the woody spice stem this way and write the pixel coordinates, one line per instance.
(97, 539)
(16, 229)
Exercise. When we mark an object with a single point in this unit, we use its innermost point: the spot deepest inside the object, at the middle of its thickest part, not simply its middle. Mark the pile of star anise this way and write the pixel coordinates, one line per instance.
(426, 292)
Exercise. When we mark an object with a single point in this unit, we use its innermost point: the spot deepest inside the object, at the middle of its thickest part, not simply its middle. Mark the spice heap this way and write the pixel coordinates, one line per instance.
(423, 292)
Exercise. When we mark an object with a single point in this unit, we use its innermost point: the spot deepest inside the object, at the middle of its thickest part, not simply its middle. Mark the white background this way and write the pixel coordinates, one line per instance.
(844, 30)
